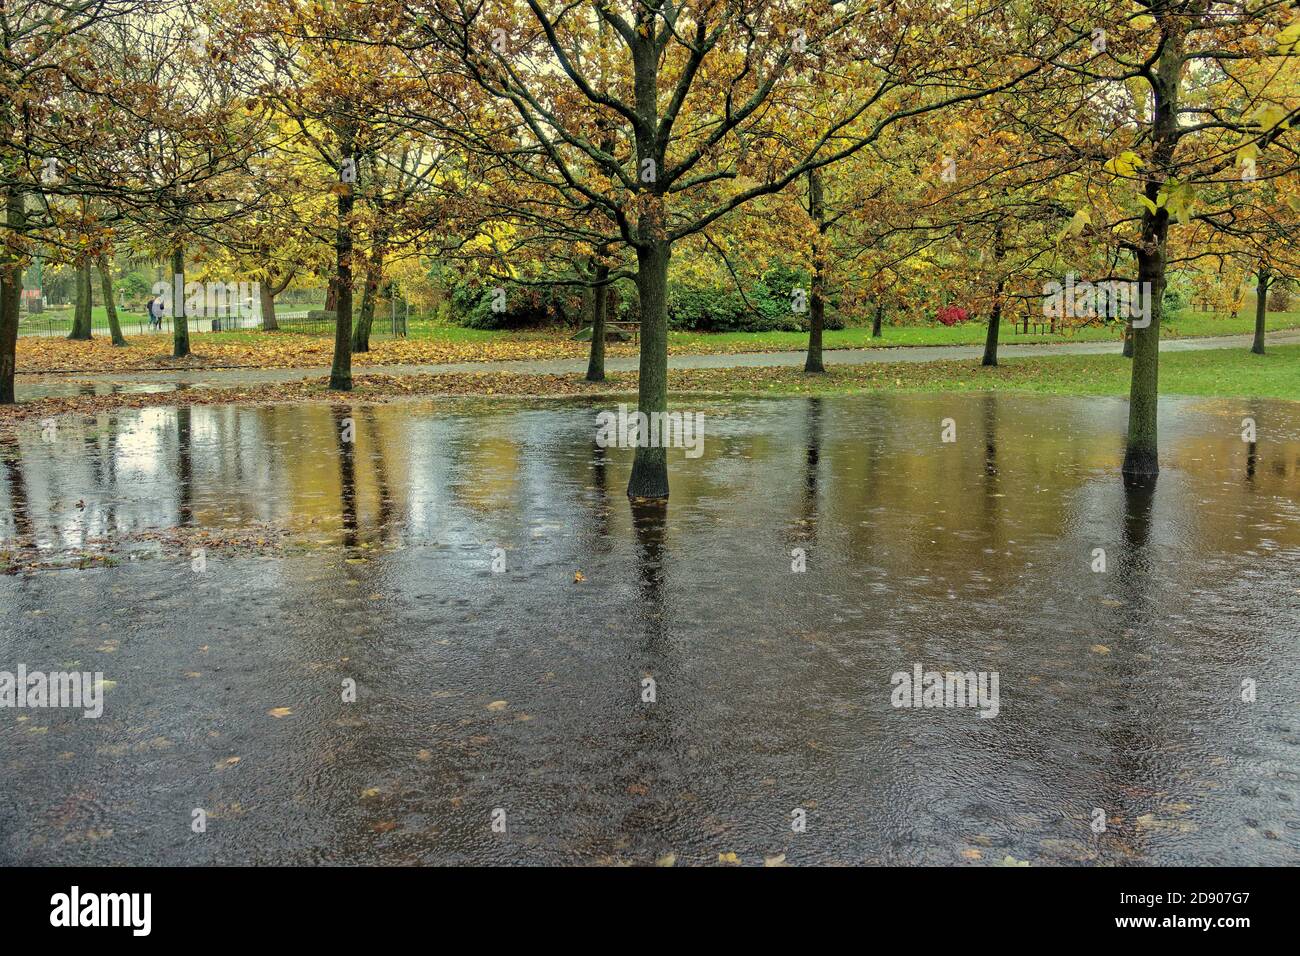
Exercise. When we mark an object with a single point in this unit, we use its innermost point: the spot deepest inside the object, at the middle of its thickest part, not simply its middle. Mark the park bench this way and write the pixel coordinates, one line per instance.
(616, 330)
(1039, 326)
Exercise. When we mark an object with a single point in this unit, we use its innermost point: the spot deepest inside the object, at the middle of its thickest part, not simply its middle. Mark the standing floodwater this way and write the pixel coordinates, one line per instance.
(476, 570)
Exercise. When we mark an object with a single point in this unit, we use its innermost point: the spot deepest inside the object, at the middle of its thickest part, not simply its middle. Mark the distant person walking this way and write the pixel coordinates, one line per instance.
(155, 310)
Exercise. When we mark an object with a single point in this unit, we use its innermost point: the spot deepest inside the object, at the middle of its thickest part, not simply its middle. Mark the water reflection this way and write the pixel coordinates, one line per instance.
(524, 688)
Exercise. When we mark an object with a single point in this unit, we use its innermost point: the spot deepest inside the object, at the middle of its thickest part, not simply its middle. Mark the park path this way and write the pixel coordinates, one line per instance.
(74, 383)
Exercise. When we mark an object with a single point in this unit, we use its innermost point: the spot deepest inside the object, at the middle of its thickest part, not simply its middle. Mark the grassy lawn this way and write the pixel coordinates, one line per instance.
(1228, 373)
(1186, 325)
(1222, 373)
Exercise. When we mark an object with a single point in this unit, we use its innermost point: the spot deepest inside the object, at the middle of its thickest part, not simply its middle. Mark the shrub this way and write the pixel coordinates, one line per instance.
(952, 314)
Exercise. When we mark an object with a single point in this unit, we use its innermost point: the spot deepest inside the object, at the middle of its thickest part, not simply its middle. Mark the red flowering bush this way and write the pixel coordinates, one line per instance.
(952, 314)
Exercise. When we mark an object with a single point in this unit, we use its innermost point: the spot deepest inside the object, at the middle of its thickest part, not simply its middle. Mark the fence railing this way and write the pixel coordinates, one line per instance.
(52, 324)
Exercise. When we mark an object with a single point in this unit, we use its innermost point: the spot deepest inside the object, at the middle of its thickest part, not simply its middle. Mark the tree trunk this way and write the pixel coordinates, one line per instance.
(374, 275)
(341, 370)
(995, 318)
(1261, 310)
(877, 319)
(106, 284)
(1141, 455)
(267, 297)
(599, 309)
(11, 292)
(995, 324)
(180, 325)
(81, 317)
(816, 299)
(650, 466)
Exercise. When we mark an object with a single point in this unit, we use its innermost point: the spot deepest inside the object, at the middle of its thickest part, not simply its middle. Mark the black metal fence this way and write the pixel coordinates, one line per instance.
(58, 323)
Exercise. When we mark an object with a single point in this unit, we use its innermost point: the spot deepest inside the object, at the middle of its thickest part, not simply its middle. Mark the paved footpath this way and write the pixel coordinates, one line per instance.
(73, 383)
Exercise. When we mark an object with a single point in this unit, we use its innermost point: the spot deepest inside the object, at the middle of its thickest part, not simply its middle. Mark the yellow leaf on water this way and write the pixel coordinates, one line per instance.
(778, 860)
(497, 705)
(279, 712)
(728, 858)
(1099, 649)
(668, 859)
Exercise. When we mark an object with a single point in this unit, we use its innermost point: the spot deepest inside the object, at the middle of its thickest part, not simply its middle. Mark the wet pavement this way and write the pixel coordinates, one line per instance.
(230, 569)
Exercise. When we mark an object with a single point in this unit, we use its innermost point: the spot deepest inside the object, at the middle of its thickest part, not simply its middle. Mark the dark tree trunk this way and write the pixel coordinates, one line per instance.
(106, 284)
(81, 317)
(332, 295)
(1141, 454)
(374, 275)
(650, 466)
(995, 318)
(995, 324)
(877, 319)
(1261, 310)
(11, 293)
(341, 370)
(599, 310)
(816, 298)
(180, 324)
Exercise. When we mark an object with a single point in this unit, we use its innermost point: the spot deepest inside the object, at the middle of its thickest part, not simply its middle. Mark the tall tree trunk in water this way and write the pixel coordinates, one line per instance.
(11, 292)
(81, 317)
(341, 370)
(180, 325)
(1141, 455)
(816, 300)
(374, 275)
(650, 466)
(878, 318)
(599, 311)
(106, 284)
(1261, 310)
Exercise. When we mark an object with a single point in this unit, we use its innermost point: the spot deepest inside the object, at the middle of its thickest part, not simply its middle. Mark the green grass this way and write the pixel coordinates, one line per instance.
(1186, 325)
(1225, 373)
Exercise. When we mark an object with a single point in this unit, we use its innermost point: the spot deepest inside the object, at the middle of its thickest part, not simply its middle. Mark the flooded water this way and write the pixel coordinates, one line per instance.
(230, 570)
